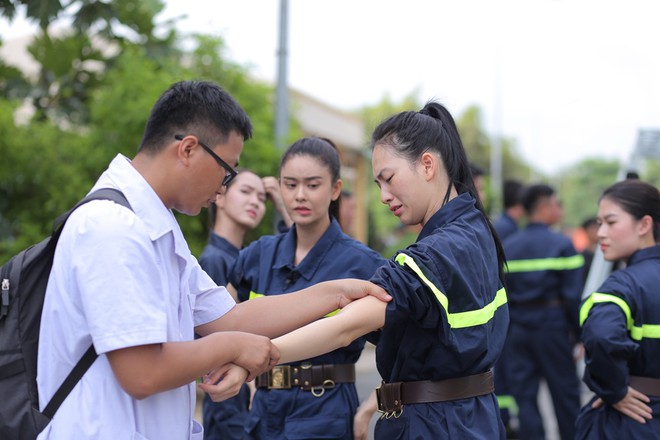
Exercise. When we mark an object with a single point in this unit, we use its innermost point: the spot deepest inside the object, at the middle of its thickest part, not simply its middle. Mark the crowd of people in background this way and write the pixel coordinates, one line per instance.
(468, 320)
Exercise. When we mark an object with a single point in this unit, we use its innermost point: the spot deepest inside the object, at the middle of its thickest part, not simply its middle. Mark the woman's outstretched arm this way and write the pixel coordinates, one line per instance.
(356, 319)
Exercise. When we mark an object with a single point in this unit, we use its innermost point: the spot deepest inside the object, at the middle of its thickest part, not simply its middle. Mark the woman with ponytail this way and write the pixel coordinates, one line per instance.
(621, 321)
(438, 339)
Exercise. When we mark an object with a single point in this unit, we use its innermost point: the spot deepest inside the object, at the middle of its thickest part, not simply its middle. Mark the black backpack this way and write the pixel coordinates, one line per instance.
(24, 279)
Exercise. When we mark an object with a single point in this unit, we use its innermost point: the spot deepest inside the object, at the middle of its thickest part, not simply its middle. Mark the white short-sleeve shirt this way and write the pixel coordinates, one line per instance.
(121, 278)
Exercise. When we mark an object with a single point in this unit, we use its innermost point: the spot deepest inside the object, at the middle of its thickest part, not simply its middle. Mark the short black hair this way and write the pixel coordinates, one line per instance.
(534, 194)
(202, 108)
(588, 222)
(476, 170)
(512, 192)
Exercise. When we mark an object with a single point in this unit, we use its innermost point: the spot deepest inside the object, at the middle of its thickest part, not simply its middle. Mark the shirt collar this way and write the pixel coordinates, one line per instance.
(146, 204)
(313, 259)
(222, 244)
(455, 208)
(651, 252)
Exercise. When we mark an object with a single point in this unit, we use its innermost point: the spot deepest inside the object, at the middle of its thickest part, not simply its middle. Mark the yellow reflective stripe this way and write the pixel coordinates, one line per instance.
(637, 333)
(598, 297)
(254, 295)
(469, 318)
(650, 331)
(507, 402)
(559, 263)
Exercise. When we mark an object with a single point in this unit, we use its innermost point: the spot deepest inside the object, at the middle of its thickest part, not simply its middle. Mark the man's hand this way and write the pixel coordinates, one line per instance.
(633, 405)
(224, 382)
(257, 355)
(352, 289)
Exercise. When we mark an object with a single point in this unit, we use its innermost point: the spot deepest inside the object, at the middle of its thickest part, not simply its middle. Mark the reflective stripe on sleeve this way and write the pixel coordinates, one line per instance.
(507, 402)
(559, 263)
(637, 333)
(470, 318)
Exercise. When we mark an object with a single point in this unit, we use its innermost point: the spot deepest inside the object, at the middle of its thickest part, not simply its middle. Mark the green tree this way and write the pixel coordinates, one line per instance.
(56, 156)
(384, 229)
(40, 177)
(651, 172)
(71, 61)
(579, 187)
(479, 144)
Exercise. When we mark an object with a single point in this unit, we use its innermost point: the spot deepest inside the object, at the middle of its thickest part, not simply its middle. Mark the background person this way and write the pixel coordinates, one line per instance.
(239, 209)
(505, 225)
(347, 209)
(478, 174)
(509, 220)
(590, 227)
(621, 348)
(544, 286)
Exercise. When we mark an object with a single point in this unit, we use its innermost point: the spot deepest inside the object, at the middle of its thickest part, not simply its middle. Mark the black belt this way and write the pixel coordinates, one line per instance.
(540, 303)
(308, 377)
(392, 396)
(646, 385)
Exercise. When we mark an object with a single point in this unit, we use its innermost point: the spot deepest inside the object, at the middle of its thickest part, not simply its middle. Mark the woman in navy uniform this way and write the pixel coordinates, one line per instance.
(445, 327)
(315, 398)
(621, 321)
(237, 211)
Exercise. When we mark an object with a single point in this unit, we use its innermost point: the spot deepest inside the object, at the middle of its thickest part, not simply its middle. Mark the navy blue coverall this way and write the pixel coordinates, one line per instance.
(223, 420)
(448, 318)
(621, 335)
(266, 267)
(544, 283)
(505, 226)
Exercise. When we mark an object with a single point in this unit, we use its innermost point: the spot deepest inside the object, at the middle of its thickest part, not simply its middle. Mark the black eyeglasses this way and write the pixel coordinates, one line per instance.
(230, 172)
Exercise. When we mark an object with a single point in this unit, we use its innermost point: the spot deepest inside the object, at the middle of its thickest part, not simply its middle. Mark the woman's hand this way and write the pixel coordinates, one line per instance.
(633, 405)
(363, 417)
(272, 187)
(224, 382)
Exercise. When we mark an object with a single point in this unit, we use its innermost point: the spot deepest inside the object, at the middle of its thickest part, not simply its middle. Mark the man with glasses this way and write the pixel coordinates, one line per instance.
(230, 173)
(125, 281)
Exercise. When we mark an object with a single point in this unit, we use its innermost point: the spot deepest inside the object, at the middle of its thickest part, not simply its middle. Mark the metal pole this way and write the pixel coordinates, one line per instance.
(282, 92)
(496, 147)
(282, 98)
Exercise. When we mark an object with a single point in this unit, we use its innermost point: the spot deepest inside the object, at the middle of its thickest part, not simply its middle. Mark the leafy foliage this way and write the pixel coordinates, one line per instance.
(91, 102)
(580, 186)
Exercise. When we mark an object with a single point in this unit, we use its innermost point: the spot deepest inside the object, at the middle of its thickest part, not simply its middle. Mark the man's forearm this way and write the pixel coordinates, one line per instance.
(276, 315)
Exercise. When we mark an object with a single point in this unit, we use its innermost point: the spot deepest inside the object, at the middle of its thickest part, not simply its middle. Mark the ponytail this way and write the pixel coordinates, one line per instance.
(411, 134)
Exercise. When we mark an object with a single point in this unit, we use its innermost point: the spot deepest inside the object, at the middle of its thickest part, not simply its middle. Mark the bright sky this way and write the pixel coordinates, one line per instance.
(567, 79)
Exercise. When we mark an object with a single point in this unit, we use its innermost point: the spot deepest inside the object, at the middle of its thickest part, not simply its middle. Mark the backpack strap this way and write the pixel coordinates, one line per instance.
(90, 355)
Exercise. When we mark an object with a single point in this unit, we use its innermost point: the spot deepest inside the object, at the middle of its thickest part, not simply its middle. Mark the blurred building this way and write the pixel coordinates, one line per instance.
(348, 133)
